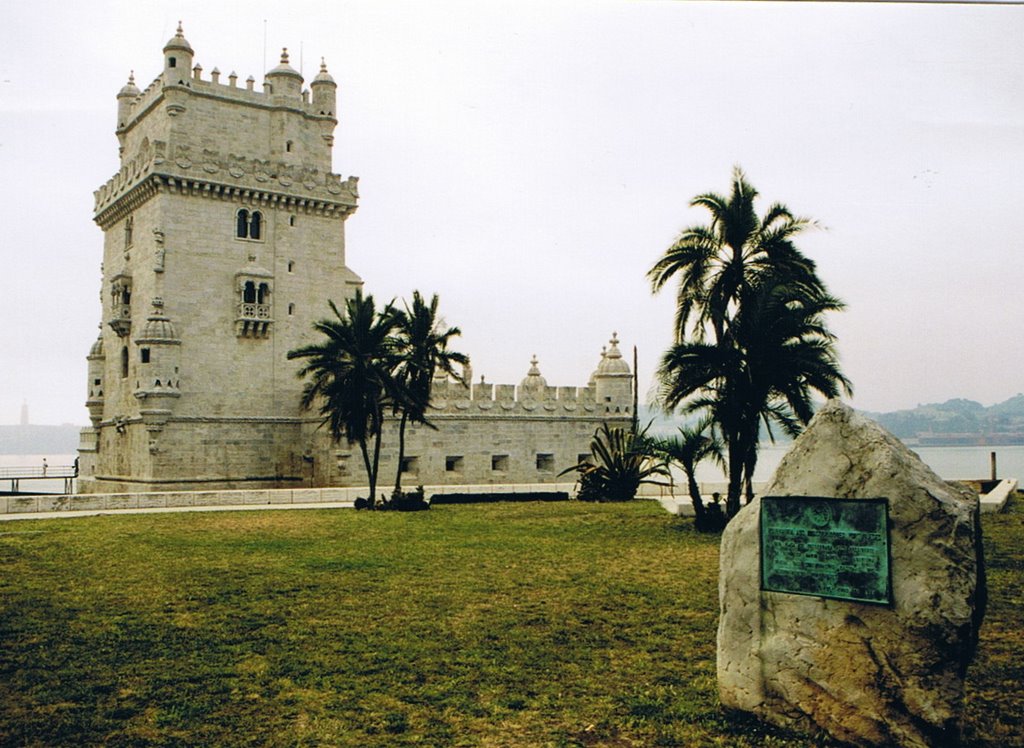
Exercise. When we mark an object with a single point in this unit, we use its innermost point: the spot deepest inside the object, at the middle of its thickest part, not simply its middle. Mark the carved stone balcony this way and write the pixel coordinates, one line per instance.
(121, 320)
(253, 320)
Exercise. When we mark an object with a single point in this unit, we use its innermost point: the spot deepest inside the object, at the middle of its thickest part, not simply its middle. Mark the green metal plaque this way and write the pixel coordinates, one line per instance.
(837, 548)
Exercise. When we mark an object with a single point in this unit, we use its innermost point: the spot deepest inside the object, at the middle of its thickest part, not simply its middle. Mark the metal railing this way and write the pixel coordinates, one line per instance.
(15, 475)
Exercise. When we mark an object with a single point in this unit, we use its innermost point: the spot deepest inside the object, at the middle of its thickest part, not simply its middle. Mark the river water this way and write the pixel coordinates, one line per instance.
(951, 463)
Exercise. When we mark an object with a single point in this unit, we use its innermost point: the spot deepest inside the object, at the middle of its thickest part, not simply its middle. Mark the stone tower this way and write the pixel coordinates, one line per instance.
(224, 237)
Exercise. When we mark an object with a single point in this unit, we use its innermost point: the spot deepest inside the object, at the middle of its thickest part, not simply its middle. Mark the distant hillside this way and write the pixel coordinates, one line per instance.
(39, 440)
(958, 421)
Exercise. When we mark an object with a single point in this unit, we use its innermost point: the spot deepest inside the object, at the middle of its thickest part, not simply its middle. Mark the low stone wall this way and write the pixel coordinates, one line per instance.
(995, 500)
(283, 497)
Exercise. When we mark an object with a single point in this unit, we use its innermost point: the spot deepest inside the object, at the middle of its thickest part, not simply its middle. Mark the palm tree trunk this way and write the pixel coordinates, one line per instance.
(698, 501)
(376, 421)
(401, 452)
(736, 462)
(370, 477)
(751, 464)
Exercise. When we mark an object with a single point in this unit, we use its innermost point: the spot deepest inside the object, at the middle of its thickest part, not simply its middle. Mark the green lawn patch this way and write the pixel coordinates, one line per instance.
(545, 624)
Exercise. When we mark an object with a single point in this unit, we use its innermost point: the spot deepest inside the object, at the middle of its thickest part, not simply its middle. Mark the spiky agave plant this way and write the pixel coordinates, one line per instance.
(622, 461)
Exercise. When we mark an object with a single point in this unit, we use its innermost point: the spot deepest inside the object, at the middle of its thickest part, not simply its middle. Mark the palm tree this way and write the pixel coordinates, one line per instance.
(350, 376)
(423, 353)
(751, 342)
(687, 450)
(716, 262)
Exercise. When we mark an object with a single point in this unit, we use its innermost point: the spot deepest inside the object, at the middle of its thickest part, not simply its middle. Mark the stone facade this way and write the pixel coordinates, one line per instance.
(224, 236)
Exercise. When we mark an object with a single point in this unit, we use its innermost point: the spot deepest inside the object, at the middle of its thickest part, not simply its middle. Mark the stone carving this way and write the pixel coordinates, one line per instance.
(161, 252)
(240, 168)
(182, 157)
(211, 162)
(871, 675)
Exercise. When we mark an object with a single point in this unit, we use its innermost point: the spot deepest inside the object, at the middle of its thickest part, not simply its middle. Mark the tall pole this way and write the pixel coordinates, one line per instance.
(636, 395)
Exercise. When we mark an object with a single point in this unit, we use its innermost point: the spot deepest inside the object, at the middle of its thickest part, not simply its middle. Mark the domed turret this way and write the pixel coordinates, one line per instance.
(158, 329)
(613, 380)
(284, 80)
(125, 98)
(612, 361)
(533, 384)
(177, 59)
(159, 367)
(96, 363)
(325, 92)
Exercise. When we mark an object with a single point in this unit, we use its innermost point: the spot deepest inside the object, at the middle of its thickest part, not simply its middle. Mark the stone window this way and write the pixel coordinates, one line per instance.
(129, 228)
(545, 462)
(410, 465)
(291, 220)
(144, 355)
(583, 457)
(124, 362)
(499, 463)
(254, 316)
(291, 266)
(248, 225)
(453, 464)
(288, 146)
(291, 309)
(172, 62)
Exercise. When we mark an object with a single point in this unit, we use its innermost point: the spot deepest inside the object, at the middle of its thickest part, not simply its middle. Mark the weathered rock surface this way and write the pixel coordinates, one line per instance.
(866, 674)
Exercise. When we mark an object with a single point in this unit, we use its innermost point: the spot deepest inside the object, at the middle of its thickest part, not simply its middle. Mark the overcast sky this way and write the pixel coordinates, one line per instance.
(530, 161)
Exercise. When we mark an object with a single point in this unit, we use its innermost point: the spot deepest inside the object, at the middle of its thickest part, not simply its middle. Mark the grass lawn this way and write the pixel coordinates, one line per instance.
(483, 625)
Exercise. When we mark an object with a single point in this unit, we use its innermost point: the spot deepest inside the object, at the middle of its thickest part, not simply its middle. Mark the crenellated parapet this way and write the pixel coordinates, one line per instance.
(534, 398)
(181, 165)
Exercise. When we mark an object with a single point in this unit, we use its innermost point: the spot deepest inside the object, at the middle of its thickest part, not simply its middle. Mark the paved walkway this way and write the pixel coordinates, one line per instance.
(167, 509)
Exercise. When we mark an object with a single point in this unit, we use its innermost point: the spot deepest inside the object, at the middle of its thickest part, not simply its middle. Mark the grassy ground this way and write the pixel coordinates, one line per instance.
(503, 625)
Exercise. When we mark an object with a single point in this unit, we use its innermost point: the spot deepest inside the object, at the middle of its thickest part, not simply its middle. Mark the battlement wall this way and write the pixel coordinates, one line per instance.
(509, 400)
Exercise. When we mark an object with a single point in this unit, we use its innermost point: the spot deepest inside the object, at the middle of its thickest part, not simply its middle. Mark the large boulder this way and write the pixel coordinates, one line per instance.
(870, 675)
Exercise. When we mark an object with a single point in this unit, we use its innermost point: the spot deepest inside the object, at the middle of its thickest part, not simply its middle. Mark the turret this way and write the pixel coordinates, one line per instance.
(613, 381)
(284, 81)
(159, 383)
(533, 385)
(177, 59)
(96, 364)
(125, 98)
(325, 103)
(325, 92)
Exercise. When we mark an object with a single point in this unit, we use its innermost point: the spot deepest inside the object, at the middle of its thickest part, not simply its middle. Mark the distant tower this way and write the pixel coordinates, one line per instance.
(24, 413)
(224, 237)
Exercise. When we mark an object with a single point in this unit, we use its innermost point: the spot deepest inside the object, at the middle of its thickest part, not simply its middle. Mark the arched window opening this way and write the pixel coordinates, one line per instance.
(288, 146)
(263, 294)
(172, 62)
(124, 362)
(249, 293)
(291, 309)
(291, 220)
(291, 266)
(242, 225)
(144, 355)
(248, 225)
